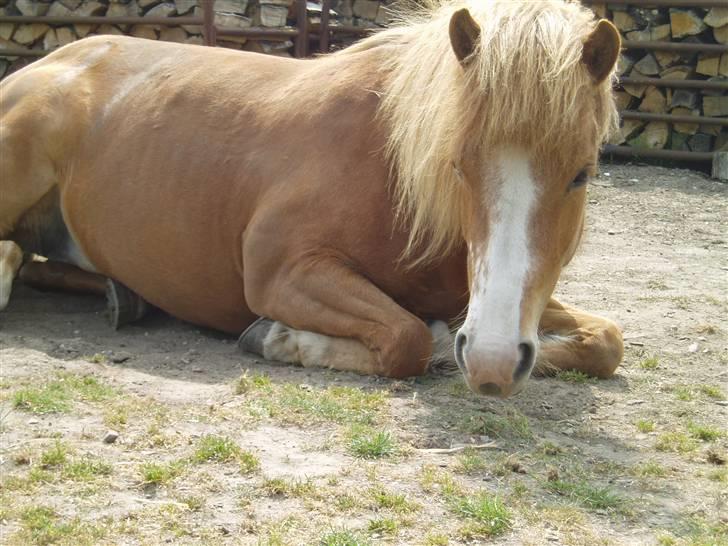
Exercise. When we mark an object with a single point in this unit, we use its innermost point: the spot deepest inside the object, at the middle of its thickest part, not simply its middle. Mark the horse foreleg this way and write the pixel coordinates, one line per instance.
(11, 258)
(328, 315)
(275, 341)
(571, 339)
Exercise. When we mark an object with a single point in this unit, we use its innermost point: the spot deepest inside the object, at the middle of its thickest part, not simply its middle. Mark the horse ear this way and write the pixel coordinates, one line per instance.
(464, 34)
(601, 50)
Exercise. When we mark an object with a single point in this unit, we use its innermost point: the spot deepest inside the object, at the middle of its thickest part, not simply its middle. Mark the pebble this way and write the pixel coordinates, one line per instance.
(719, 402)
(635, 402)
(33, 421)
(693, 348)
(110, 437)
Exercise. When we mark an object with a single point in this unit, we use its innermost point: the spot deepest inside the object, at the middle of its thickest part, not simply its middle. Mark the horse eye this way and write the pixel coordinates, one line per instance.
(579, 181)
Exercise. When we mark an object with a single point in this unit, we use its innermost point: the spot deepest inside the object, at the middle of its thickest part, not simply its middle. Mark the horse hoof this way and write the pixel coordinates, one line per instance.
(251, 340)
(123, 305)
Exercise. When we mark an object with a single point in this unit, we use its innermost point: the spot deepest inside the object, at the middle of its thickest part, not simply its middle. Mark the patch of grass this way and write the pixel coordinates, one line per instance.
(683, 393)
(51, 398)
(512, 425)
(655, 284)
(194, 503)
(222, 449)
(712, 391)
(649, 363)
(706, 433)
(289, 488)
(677, 442)
(160, 474)
(342, 537)
(574, 376)
(54, 457)
(334, 404)
(470, 461)
(649, 469)
(550, 449)
(256, 382)
(645, 425)
(719, 475)
(436, 539)
(86, 387)
(432, 479)
(41, 525)
(86, 469)
(96, 358)
(587, 495)
(385, 526)
(212, 448)
(486, 515)
(393, 501)
(368, 443)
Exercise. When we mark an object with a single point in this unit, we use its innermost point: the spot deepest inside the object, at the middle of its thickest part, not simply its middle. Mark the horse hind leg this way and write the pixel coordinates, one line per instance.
(11, 258)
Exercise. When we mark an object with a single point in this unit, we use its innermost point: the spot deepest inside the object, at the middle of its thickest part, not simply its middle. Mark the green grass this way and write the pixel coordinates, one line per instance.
(436, 539)
(86, 469)
(256, 382)
(54, 457)
(51, 398)
(587, 495)
(221, 449)
(42, 526)
(96, 358)
(574, 376)
(512, 425)
(470, 461)
(650, 363)
(683, 393)
(342, 537)
(396, 502)
(334, 404)
(645, 425)
(706, 433)
(711, 391)
(485, 514)
(56, 396)
(385, 526)
(160, 474)
(368, 443)
(677, 442)
(290, 488)
(650, 469)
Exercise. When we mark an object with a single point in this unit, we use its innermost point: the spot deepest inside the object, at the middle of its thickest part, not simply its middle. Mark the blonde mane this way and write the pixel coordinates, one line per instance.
(525, 84)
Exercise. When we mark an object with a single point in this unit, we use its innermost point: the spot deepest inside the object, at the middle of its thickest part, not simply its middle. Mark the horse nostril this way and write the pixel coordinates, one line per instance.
(460, 341)
(490, 389)
(527, 354)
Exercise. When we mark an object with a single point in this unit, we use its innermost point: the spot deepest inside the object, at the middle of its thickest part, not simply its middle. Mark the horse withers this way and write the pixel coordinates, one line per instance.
(352, 199)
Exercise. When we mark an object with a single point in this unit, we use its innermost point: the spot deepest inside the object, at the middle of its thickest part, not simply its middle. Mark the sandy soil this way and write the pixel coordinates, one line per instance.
(638, 459)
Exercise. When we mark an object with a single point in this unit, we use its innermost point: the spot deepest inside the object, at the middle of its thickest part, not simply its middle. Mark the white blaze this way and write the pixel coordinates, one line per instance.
(501, 270)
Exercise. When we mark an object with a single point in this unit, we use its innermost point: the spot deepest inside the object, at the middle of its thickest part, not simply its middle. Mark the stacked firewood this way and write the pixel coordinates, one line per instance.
(236, 14)
(693, 26)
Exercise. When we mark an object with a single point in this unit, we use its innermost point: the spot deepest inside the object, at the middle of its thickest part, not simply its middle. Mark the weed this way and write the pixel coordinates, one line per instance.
(719, 475)
(86, 469)
(589, 496)
(41, 526)
(219, 449)
(470, 461)
(393, 501)
(367, 443)
(574, 376)
(511, 425)
(55, 456)
(486, 514)
(655, 284)
(683, 393)
(650, 363)
(96, 358)
(706, 433)
(51, 398)
(678, 442)
(160, 474)
(645, 425)
(342, 537)
(712, 391)
(256, 382)
(386, 526)
(650, 469)
(436, 540)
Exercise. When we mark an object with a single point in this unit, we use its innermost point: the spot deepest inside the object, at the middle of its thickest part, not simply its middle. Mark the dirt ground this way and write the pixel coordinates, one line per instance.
(216, 448)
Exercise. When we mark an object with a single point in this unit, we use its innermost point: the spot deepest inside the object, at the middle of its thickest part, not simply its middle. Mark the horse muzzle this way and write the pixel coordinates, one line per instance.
(494, 367)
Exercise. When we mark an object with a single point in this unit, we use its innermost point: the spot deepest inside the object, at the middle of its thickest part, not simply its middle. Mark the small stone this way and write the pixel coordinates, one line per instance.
(635, 402)
(33, 421)
(110, 437)
(693, 348)
(119, 358)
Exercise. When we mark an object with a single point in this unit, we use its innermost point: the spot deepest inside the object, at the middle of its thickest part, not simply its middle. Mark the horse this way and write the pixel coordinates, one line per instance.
(344, 210)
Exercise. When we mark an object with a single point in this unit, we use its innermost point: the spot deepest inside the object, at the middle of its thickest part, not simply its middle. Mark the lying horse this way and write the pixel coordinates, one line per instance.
(351, 200)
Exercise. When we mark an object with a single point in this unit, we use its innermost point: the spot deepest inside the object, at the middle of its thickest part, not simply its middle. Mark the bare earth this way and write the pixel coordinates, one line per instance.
(638, 459)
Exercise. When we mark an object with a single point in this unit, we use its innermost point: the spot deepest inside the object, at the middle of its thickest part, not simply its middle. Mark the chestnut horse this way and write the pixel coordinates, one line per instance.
(351, 200)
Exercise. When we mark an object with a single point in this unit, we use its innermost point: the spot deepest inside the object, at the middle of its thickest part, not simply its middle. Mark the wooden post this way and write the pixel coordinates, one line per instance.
(301, 47)
(208, 22)
(324, 31)
(720, 166)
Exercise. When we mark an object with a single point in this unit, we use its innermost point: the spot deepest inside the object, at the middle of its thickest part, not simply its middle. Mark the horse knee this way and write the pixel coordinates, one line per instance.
(608, 350)
(407, 350)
